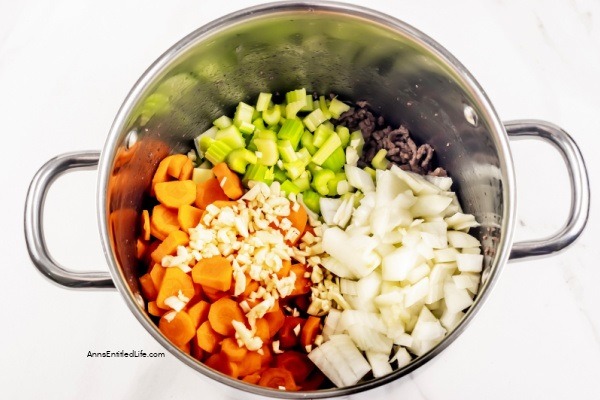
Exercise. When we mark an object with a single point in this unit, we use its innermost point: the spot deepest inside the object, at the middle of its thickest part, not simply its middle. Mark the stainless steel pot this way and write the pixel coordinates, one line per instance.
(326, 47)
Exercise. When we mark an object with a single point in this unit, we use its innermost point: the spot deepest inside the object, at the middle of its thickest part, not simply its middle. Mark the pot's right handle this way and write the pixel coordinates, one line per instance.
(580, 188)
(34, 231)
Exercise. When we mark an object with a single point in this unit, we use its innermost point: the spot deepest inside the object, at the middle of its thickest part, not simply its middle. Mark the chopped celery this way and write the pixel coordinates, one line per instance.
(239, 159)
(266, 151)
(288, 187)
(304, 156)
(231, 136)
(265, 134)
(321, 179)
(336, 160)
(286, 150)
(321, 135)
(357, 141)
(344, 134)
(332, 185)
(324, 106)
(314, 119)
(217, 152)
(371, 171)
(257, 172)
(246, 128)
(296, 95)
(307, 142)
(291, 109)
(313, 168)
(263, 101)
(311, 200)
(204, 140)
(259, 124)
(243, 112)
(331, 144)
(294, 169)
(379, 161)
(200, 175)
(272, 115)
(309, 104)
(222, 122)
(279, 174)
(337, 108)
(291, 130)
(303, 181)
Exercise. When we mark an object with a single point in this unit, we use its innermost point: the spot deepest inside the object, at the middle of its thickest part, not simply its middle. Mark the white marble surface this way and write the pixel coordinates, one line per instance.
(65, 67)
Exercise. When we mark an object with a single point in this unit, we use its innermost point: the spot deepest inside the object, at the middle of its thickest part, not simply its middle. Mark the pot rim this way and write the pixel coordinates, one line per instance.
(371, 16)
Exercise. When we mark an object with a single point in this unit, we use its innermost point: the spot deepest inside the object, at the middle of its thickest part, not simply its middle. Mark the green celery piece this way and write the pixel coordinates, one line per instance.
(324, 106)
(311, 199)
(246, 128)
(243, 112)
(371, 171)
(357, 141)
(294, 169)
(204, 140)
(336, 160)
(217, 152)
(222, 122)
(379, 161)
(255, 172)
(259, 124)
(309, 106)
(313, 168)
(279, 174)
(333, 183)
(314, 119)
(333, 142)
(303, 181)
(231, 136)
(321, 135)
(288, 187)
(321, 179)
(266, 134)
(344, 134)
(272, 115)
(264, 99)
(292, 130)
(337, 108)
(307, 142)
(286, 150)
(295, 95)
(291, 109)
(304, 155)
(268, 151)
(239, 159)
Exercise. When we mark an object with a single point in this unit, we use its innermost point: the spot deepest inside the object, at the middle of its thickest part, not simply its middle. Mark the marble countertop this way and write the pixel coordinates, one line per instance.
(66, 66)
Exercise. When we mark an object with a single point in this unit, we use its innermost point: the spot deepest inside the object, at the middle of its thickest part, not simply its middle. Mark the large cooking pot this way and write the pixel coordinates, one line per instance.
(354, 52)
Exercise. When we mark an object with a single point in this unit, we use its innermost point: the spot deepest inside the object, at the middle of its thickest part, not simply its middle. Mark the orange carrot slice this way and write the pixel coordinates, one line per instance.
(148, 289)
(207, 339)
(231, 349)
(221, 314)
(199, 312)
(174, 281)
(169, 245)
(295, 362)
(164, 220)
(179, 329)
(214, 272)
(276, 378)
(310, 330)
(145, 225)
(208, 192)
(188, 217)
(229, 181)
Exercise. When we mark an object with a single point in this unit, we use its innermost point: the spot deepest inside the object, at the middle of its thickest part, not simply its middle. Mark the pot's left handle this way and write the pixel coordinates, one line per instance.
(34, 230)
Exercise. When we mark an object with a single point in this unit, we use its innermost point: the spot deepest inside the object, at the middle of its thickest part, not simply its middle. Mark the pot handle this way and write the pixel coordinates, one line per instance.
(34, 230)
(580, 188)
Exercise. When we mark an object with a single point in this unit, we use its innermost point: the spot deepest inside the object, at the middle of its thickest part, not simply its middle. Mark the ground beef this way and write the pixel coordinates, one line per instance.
(401, 148)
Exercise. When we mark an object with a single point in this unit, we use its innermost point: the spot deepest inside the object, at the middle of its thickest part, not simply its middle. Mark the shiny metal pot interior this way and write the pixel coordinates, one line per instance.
(353, 52)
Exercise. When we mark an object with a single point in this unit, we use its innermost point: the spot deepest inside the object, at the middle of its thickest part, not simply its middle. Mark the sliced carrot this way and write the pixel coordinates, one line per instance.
(169, 245)
(208, 192)
(225, 203)
(275, 306)
(221, 314)
(287, 334)
(140, 248)
(275, 320)
(179, 330)
(199, 312)
(185, 348)
(153, 309)
(207, 339)
(213, 294)
(286, 266)
(188, 217)
(176, 162)
(187, 170)
(145, 225)
(148, 289)
(267, 356)
(156, 233)
(157, 273)
(174, 194)
(302, 285)
(161, 174)
(229, 181)
(174, 281)
(214, 272)
(298, 219)
(219, 362)
(252, 378)
(164, 220)
(196, 351)
(251, 286)
(231, 349)
(302, 302)
(251, 364)
(276, 378)
(310, 330)
(295, 362)
(262, 330)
